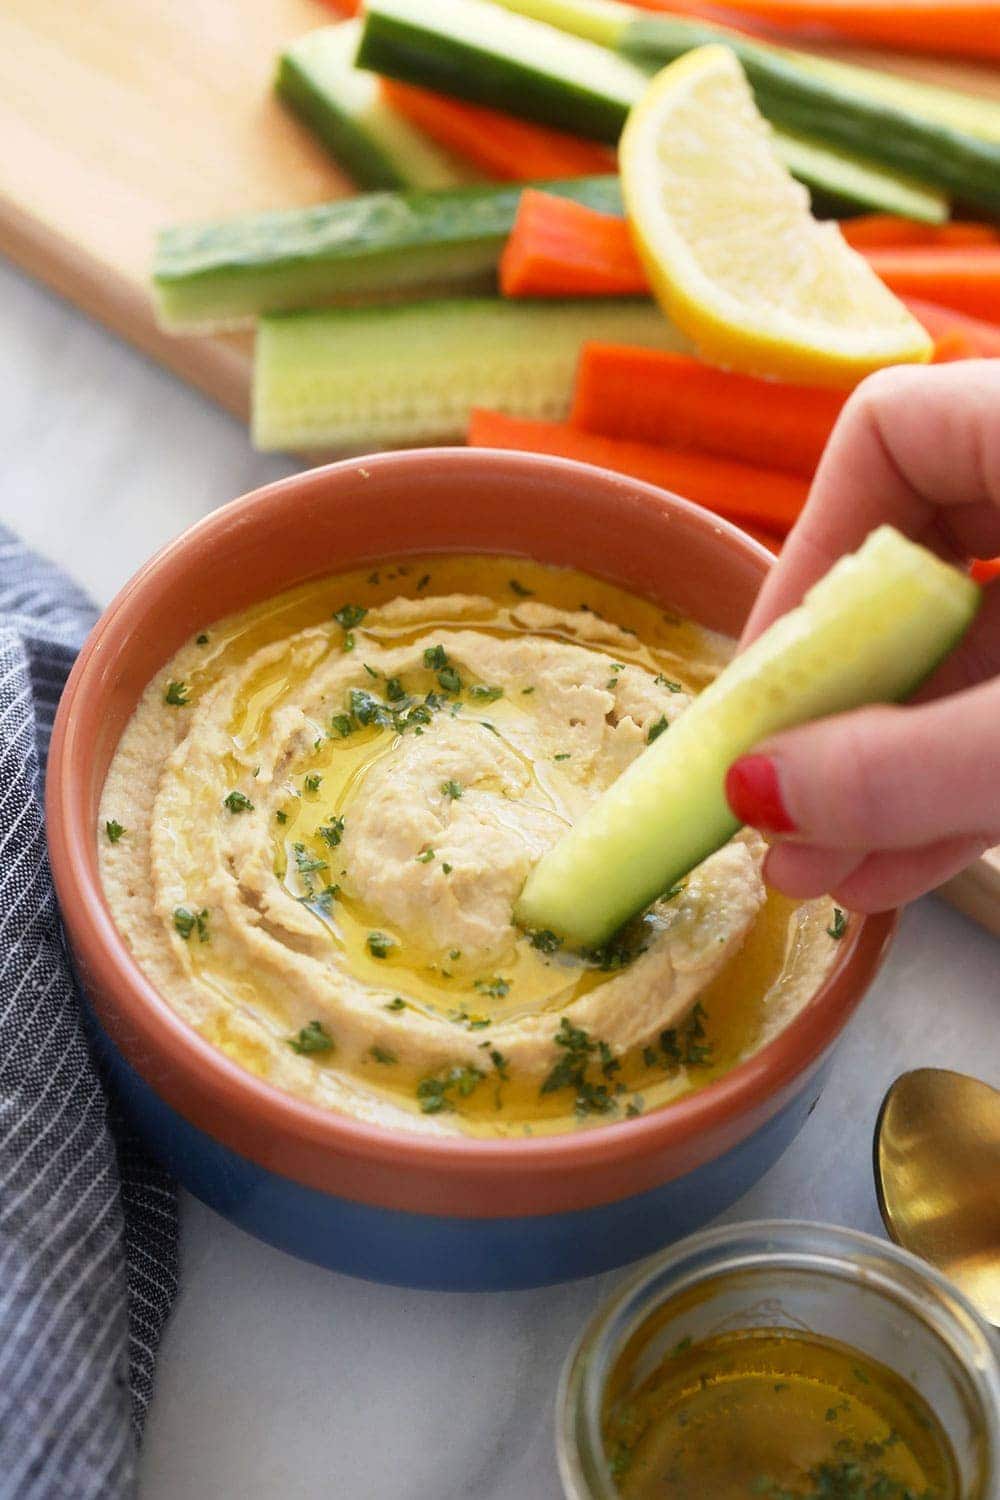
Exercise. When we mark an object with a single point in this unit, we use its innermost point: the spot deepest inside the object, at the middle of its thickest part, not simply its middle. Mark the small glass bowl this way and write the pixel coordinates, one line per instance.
(834, 1282)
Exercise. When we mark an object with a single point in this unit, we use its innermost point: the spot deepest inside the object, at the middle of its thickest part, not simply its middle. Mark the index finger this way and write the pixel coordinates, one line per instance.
(916, 448)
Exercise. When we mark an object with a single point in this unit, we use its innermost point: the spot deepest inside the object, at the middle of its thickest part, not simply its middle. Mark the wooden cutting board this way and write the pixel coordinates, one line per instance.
(119, 116)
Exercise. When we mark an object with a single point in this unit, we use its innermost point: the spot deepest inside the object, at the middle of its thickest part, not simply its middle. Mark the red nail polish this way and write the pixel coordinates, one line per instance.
(754, 794)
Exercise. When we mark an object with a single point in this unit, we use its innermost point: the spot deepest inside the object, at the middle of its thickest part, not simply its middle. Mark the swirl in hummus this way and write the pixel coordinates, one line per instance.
(319, 817)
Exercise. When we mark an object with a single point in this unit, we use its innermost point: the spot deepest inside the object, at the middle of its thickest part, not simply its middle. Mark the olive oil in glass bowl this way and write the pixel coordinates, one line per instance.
(782, 1361)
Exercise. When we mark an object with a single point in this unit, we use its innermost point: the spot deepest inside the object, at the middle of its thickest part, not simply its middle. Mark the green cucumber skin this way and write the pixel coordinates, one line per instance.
(359, 155)
(403, 41)
(429, 57)
(872, 631)
(355, 379)
(369, 247)
(962, 165)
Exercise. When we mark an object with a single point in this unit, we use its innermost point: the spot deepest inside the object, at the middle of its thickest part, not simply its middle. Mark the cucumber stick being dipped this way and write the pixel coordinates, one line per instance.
(869, 632)
(374, 377)
(317, 79)
(483, 52)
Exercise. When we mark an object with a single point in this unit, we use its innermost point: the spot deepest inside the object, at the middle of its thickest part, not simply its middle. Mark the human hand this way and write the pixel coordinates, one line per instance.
(879, 805)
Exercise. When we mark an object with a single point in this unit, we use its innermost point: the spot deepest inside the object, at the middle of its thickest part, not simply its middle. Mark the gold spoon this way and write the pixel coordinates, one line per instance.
(937, 1176)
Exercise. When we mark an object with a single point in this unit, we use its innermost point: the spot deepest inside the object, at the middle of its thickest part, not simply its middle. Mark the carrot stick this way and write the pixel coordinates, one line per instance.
(984, 570)
(966, 279)
(886, 231)
(499, 144)
(983, 337)
(762, 497)
(558, 248)
(649, 396)
(961, 28)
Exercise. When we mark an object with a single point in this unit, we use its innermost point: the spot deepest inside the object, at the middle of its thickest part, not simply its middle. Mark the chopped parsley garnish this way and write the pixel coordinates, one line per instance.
(114, 830)
(281, 816)
(201, 640)
(379, 944)
(332, 833)
(500, 1063)
(312, 781)
(518, 588)
(383, 1055)
(435, 657)
(342, 725)
(348, 643)
(525, 691)
(673, 891)
(682, 1046)
(423, 582)
(349, 615)
(451, 789)
(368, 709)
(634, 1108)
(449, 679)
(324, 899)
(545, 941)
(571, 1070)
(838, 926)
(177, 694)
(426, 857)
(370, 670)
(186, 922)
(655, 730)
(311, 1038)
(496, 987)
(671, 687)
(485, 694)
(394, 689)
(563, 755)
(619, 951)
(306, 863)
(446, 867)
(396, 1003)
(237, 802)
(438, 1092)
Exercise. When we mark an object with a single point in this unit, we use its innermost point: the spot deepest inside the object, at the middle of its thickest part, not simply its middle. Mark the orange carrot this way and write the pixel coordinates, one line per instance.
(655, 397)
(762, 497)
(499, 144)
(951, 346)
(886, 231)
(961, 28)
(985, 569)
(966, 279)
(345, 7)
(983, 337)
(558, 248)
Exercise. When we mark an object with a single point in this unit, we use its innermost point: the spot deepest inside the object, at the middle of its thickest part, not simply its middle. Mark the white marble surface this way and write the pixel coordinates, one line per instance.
(278, 1381)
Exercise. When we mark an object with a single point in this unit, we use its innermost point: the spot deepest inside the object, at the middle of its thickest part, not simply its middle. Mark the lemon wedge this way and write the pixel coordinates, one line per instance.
(733, 253)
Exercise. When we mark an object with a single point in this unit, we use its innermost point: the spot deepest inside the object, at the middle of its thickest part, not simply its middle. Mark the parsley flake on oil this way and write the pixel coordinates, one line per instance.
(545, 941)
(396, 1003)
(281, 816)
(426, 857)
(311, 1038)
(484, 694)
(384, 1056)
(423, 582)
(312, 781)
(518, 588)
(177, 695)
(449, 679)
(496, 987)
(331, 833)
(379, 944)
(838, 926)
(114, 830)
(342, 725)
(439, 1091)
(671, 687)
(563, 755)
(446, 867)
(435, 657)
(655, 730)
(237, 802)
(349, 615)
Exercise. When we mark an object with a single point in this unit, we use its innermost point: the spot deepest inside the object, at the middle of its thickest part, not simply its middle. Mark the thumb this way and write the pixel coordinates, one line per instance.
(879, 778)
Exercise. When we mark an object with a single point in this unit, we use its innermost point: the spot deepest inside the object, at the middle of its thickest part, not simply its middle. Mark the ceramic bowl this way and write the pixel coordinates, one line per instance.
(393, 1206)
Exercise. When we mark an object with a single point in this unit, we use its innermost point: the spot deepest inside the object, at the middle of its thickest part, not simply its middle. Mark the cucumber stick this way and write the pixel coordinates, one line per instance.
(368, 377)
(869, 632)
(317, 79)
(374, 246)
(485, 52)
(950, 160)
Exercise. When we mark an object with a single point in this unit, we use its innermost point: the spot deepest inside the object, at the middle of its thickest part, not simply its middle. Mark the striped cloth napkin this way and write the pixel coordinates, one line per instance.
(88, 1224)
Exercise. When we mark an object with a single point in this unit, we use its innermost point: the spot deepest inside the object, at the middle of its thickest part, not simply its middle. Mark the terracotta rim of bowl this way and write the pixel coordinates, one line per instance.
(317, 1147)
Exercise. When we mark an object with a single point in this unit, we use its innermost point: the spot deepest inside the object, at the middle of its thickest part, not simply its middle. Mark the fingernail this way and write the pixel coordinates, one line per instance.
(754, 794)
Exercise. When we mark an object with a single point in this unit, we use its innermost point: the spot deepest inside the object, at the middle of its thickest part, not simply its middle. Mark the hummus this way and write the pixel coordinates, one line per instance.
(317, 822)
